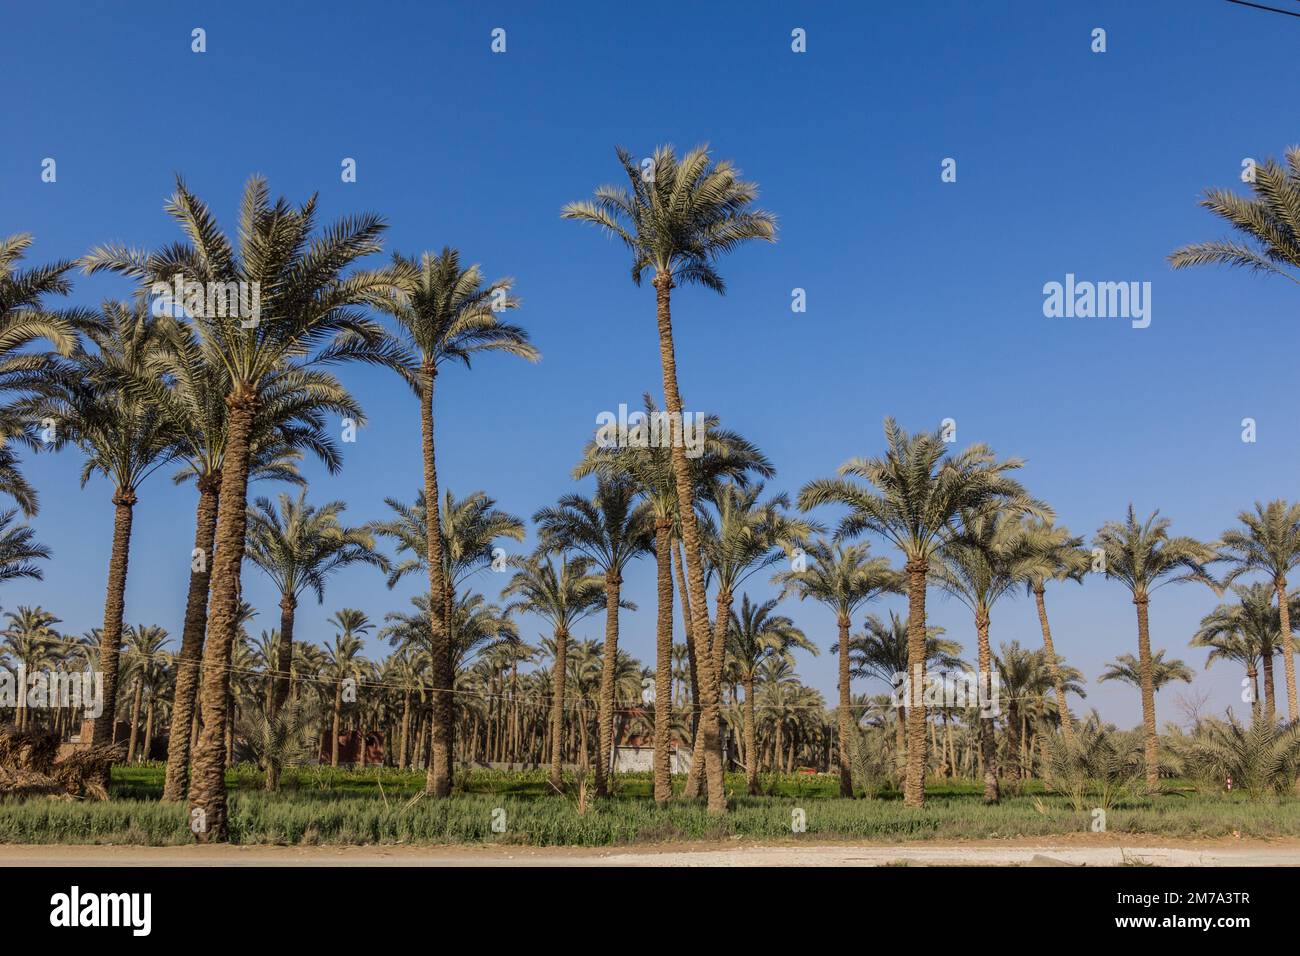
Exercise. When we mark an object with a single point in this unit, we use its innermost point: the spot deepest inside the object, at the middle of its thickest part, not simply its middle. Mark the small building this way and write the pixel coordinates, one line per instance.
(637, 753)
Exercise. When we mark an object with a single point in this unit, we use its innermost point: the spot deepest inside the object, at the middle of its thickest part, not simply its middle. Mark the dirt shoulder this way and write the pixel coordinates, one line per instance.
(1071, 850)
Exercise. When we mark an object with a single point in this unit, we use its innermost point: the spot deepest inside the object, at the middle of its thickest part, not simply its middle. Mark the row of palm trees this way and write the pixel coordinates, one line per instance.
(234, 401)
(502, 713)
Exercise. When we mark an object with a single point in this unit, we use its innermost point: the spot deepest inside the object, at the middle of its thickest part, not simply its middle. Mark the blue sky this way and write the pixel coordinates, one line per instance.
(924, 298)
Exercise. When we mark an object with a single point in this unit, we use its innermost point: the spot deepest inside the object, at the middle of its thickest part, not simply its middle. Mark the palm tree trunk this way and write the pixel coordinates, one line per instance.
(695, 776)
(110, 641)
(233, 709)
(900, 742)
(710, 685)
(1054, 666)
(406, 729)
(914, 782)
(1148, 696)
(187, 663)
(1288, 648)
(663, 661)
(135, 720)
(949, 745)
(557, 708)
(718, 648)
(148, 728)
(338, 719)
(208, 780)
(605, 743)
(1270, 691)
(751, 738)
(438, 780)
(284, 655)
(988, 743)
(846, 706)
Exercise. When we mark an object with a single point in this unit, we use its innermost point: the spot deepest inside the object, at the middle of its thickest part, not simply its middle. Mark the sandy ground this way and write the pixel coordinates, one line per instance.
(1097, 851)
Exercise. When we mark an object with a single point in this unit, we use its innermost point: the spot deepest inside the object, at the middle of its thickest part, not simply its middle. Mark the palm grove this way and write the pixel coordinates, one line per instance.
(220, 402)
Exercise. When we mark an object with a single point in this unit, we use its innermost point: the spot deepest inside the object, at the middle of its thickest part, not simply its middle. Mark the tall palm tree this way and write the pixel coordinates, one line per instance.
(755, 634)
(723, 454)
(1249, 632)
(19, 550)
(125, 438)
(1143, 556)
(1268, 540)
(677, 223)
(562, 596)
(290, 418)
(299, 546)
(913, 495)
(612, 531)
(844, 578)
(980, 564)
(445, 313)
(343, 662)
(1054, 555)
(308, 316)
(30, 638)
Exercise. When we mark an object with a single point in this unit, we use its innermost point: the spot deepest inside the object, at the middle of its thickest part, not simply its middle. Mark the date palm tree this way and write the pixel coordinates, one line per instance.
(343, 663)
(913, 495)
(308, 316)
(146, 667)
(612, 531)
(881, 651)
(1143, 556)
(981, 563)
(470, 526)
(19, 550)
(1054, 555)
(1268, 540)
(748, 535)
(290, 418)
(445, 313)
(844, 578)
(125, 438)
(1248, 632)
(299, 546)
(1127, 669)
(562, 596)
(677, 222)
(29, 638)
(724, 455)
(753, 635)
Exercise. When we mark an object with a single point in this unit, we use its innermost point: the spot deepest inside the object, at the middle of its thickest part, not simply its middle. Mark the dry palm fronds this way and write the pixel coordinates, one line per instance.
(27, 783)
(28, 766)
(85, 772)
(27, 749)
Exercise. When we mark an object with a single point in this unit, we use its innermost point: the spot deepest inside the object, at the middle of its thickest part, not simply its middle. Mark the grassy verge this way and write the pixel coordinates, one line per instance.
(319, 805)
